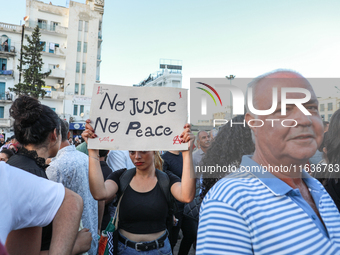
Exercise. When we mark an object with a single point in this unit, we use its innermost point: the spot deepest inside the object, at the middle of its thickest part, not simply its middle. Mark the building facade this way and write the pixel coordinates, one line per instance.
(9, 53)
(72, 38)
(327, 106)
(169, 75)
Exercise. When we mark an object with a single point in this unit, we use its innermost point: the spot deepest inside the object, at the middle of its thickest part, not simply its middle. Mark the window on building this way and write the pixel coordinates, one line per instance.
(330, 106)
(5, 43)
(84, 68)
(78, 67)
(100, 26)
(80, 27)
(86, 26)
(44, 44)
(322, 107)
(2, 90)
(323, 117)
(82, 89)
(75, 110)
(54, 25)
(52, 47)
(53, 109)
(1, 112)
(85, 47)
(3, 63)
(79, 46)
(81, 110)
(76, 88)
(329, 117)
(42, 24)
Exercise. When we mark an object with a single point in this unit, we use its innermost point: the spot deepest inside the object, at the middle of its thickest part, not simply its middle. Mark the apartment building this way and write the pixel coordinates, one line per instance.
(72, 38)
(327, 106)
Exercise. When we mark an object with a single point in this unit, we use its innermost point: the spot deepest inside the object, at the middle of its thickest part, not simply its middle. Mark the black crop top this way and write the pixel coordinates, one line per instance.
(143, 213)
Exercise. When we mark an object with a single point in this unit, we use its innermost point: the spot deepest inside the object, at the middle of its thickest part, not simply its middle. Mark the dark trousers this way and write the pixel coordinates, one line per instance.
(189, 229)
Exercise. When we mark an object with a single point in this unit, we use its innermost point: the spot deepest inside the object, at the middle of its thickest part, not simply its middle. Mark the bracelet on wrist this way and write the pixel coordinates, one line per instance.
(95, 157)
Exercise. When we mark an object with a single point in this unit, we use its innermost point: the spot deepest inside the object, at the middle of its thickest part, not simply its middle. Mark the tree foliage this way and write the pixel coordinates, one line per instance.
(33, 77)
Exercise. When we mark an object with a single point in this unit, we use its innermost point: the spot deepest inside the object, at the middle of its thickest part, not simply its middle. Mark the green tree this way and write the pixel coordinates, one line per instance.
(33, 77)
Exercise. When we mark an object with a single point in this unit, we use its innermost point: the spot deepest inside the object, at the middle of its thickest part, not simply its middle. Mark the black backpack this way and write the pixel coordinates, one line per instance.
(164, 182)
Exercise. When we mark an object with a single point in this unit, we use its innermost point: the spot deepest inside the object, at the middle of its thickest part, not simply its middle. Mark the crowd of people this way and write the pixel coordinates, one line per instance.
(270, 204)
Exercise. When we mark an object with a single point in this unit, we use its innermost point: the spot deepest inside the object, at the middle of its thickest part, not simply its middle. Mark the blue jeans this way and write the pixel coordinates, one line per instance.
(126, 250)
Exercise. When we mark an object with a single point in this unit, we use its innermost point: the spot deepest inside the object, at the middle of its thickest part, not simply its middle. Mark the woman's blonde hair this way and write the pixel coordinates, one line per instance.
(158, 161)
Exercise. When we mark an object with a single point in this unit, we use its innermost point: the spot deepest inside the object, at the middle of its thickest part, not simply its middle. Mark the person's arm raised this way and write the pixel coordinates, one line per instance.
(100, 190)
(184, 191)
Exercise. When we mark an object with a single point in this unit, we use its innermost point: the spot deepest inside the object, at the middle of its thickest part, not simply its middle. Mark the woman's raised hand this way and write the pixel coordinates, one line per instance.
(187, 136)
(88, 132)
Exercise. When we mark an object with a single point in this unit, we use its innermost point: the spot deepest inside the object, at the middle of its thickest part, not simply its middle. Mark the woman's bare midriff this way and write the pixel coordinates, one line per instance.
(141, 237)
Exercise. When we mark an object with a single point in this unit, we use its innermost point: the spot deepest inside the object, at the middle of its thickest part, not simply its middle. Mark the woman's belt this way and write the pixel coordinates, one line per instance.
(144, 246)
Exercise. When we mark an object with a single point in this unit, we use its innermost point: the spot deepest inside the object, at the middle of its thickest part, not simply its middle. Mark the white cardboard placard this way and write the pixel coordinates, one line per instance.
(138, 118)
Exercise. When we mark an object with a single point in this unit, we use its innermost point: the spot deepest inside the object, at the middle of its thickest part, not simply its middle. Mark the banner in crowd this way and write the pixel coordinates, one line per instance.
(138, 118)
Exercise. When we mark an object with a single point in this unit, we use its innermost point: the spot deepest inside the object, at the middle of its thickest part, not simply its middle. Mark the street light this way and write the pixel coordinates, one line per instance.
(230, 78)
(64, 99)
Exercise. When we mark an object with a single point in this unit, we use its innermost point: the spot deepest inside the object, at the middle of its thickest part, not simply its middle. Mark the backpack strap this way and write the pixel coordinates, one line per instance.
(162, 178)
(125, 179)
(164, 183)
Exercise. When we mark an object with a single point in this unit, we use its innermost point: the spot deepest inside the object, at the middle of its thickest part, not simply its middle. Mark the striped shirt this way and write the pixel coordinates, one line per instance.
(249, 213)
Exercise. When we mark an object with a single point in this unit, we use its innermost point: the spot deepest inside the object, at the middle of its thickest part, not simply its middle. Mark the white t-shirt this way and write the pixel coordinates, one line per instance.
(26, 200)
(119, 159)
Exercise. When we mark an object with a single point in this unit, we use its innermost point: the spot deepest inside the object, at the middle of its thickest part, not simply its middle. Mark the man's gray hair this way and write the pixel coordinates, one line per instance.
(253, 85)
(257, 80)
(198, 134)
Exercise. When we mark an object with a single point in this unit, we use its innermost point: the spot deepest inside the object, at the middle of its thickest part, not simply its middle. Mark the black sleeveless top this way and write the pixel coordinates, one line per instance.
(143, 213)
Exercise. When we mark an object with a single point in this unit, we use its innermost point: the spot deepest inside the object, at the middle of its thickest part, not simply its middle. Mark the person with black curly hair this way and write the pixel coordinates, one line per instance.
(332, 149)
(5, 154)
(227, 149)
(37, 129)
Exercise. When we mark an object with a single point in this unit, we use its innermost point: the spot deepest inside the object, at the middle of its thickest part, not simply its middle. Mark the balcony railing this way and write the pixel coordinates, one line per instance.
(59, 73)
(57, 95)
(44, 26)
(6, 72)
(7, 49)
(4, 96)
(10, 27)
(5, 122)
(57, 52)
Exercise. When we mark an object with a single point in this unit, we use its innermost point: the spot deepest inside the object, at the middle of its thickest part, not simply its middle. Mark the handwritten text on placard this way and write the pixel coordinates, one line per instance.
(138, 118)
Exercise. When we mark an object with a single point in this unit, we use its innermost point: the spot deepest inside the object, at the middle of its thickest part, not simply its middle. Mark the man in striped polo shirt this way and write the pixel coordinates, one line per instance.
(271, 205)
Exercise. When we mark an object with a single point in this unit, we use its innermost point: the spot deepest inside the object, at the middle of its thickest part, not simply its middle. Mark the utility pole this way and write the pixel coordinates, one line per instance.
(26, 18)
(64, 100)
(22, 42)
